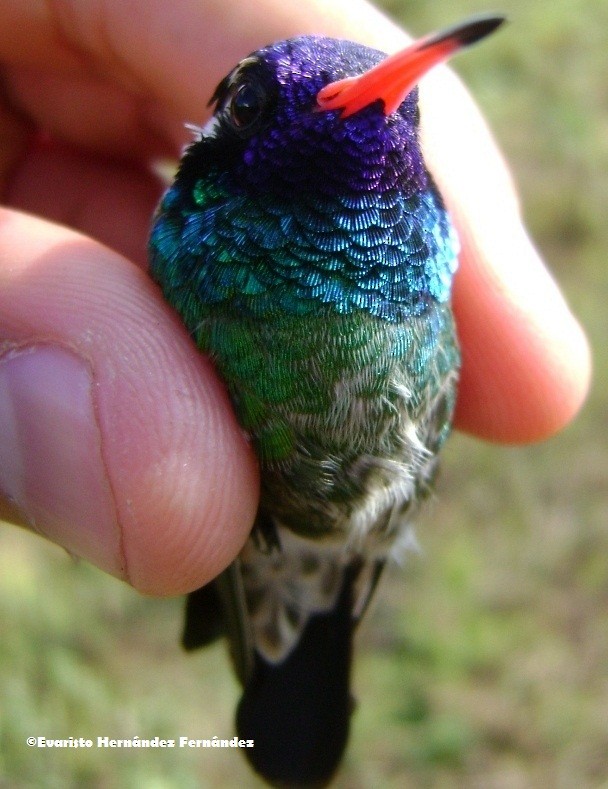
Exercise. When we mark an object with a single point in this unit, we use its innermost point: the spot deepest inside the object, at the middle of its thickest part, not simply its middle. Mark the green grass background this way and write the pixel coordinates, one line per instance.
(485, 663)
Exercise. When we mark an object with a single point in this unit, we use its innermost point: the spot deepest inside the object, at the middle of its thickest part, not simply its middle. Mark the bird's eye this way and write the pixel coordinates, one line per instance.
(247, 107)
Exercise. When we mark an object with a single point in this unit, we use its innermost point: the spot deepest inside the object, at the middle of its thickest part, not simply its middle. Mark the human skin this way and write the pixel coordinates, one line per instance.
(99, 381)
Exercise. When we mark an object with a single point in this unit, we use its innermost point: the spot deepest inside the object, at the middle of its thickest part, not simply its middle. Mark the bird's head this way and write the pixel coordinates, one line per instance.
(313, 112)
(307, 189)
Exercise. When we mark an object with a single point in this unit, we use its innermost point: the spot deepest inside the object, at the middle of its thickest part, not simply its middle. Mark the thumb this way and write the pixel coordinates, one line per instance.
(118, 441)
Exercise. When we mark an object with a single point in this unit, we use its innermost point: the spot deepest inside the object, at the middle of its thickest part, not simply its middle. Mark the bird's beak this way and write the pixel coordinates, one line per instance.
(392, 79)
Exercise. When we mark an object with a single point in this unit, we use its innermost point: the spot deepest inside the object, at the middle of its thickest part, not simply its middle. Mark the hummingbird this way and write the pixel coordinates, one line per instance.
(309, 253)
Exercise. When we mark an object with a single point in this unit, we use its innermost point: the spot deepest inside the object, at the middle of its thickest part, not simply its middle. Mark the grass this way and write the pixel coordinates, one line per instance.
(485, 663)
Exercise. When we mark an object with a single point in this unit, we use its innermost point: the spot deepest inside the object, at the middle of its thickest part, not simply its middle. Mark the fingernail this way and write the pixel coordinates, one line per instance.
(51, 462)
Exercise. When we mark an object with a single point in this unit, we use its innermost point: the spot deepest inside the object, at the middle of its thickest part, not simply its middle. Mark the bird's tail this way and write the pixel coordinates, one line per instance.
(297, 711)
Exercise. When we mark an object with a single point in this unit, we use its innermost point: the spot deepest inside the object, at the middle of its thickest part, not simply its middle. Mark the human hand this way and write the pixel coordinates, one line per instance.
(118, 441)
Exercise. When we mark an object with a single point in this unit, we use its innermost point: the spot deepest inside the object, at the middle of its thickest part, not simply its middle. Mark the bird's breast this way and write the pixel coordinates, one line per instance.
(346, 412)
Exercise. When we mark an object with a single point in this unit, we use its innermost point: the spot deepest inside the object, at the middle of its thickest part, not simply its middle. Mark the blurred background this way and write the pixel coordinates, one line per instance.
(485, 663)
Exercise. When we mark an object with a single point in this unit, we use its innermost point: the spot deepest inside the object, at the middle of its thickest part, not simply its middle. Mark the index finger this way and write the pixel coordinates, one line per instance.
(526, 363)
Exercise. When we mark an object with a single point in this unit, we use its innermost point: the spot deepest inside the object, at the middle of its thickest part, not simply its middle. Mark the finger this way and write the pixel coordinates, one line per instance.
(108, 200)
(525, 362)
(85, 72)
(142, 471)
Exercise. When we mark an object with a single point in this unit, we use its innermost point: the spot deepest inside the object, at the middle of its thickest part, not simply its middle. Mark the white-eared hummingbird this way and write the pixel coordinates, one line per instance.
(309, 253)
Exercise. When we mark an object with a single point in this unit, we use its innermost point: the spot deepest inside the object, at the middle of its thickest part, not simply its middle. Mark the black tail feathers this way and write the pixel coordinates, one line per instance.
(203, 621)
(297, 712)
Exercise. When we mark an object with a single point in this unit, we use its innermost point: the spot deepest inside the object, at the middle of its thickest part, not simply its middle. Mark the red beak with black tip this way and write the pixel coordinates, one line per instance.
(392, 79)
